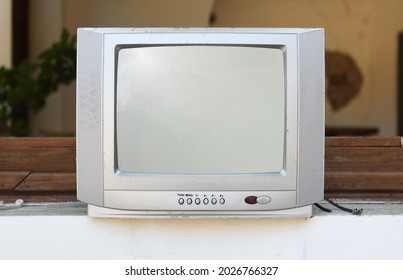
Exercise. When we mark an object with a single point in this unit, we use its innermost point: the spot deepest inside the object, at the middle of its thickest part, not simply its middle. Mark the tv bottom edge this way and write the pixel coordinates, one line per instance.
(103, 212)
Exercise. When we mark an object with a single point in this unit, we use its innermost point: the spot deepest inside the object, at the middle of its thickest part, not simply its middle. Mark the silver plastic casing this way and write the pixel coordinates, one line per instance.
(287, 193)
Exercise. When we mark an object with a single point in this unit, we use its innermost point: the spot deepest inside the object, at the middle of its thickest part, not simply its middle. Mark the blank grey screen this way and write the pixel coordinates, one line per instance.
(200, 109)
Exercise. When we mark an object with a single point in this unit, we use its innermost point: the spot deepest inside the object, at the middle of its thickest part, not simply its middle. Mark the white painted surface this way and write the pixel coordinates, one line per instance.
(336, 236)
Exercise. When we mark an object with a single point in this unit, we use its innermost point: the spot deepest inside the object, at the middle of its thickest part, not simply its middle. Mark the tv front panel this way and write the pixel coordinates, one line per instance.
(200, 122)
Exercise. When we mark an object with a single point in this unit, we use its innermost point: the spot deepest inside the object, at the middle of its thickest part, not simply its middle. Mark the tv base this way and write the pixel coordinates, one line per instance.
(102, 212)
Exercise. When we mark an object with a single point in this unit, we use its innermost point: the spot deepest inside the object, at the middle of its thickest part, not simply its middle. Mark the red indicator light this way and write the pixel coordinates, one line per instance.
(251, 199)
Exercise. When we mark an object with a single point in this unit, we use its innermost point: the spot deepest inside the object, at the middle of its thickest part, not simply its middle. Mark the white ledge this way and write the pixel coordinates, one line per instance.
(63, 231)
(370, 208)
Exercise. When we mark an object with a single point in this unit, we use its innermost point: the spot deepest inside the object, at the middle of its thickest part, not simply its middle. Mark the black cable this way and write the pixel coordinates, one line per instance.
(322, 208)
(354, 211)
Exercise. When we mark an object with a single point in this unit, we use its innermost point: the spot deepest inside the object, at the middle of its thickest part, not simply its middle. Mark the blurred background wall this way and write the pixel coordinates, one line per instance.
(366, 30)
(5, 32)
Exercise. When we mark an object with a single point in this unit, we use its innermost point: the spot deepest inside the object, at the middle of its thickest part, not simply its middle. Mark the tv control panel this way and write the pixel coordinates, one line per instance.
(214, 199)
(199, 200)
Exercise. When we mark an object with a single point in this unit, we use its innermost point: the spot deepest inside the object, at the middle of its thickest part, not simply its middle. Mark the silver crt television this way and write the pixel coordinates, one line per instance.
(200, 122)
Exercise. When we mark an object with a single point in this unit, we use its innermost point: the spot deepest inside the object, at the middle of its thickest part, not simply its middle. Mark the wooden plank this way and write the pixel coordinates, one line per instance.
(10, 179)
(51, 154)
(364, 159)
(363, 181)
(364, 168)
(48, 182)
(9, 198)
(38, 159)
(37, 142)
(363, 142)
(355, 167)
(366, 195)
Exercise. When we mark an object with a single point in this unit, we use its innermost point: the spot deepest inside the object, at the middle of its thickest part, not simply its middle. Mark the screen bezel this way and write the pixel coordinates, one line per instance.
(285, 180)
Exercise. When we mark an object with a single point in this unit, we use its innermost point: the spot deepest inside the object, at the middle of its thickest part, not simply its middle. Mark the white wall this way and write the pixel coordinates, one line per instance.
(365, 29)
(5, 33)
(322, 237)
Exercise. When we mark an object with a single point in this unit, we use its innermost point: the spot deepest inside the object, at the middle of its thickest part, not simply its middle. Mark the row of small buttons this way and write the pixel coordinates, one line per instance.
(197, 201)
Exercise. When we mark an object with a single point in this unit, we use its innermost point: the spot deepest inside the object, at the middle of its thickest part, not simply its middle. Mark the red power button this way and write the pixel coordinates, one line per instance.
(251, 199)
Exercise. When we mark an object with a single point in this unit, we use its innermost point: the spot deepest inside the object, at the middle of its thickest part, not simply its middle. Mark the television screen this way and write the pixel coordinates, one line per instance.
(200, 109)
